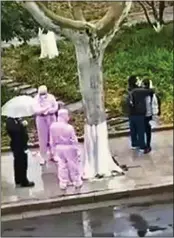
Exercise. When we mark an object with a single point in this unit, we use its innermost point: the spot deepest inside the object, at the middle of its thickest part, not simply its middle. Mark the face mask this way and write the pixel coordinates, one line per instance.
(43, 96)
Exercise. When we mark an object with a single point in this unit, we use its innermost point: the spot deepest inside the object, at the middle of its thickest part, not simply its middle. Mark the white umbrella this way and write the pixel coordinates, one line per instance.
(20, 106)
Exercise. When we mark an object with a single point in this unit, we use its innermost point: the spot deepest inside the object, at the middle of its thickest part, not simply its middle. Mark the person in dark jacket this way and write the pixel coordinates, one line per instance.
(17, 132)
(137, 110)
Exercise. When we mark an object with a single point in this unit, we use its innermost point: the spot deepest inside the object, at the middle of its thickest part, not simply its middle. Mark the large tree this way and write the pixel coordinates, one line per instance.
(90, 38)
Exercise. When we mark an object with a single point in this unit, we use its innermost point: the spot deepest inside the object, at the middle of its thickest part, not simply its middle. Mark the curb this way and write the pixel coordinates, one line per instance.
(81, 199)
(127, 132)
(111, 135)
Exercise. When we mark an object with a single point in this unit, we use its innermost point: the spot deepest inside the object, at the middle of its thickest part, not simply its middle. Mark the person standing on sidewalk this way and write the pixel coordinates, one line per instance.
(17, 131)
(136, 105)
(152, 111)
(45, 112)
(65, 145)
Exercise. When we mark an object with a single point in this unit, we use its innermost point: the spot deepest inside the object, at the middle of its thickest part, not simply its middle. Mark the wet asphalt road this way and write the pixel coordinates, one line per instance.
(154, 220)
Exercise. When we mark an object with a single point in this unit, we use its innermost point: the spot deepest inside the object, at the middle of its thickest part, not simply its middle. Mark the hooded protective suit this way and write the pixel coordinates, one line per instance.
(65, 145)
(45, 111)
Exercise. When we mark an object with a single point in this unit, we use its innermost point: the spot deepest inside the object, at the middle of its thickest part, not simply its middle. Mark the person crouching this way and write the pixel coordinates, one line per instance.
(65, 145)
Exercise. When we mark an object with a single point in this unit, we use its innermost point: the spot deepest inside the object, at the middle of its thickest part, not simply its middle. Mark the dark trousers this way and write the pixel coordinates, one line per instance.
(148, 131)
(137, 131)
(20, 167)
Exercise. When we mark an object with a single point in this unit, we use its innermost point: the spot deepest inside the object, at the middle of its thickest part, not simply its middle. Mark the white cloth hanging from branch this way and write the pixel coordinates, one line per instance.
(48, 44)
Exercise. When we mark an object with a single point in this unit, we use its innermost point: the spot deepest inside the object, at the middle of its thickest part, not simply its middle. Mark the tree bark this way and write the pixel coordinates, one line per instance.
(89, 55)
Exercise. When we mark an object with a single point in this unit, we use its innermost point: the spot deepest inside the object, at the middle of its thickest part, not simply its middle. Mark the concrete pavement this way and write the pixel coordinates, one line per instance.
(146, 173)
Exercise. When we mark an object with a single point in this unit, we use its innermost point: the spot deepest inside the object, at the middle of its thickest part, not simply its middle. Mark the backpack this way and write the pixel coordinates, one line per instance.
(135, 103)
(127, 103)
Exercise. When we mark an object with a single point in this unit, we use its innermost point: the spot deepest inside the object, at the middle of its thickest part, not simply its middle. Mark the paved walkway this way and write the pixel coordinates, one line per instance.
(144, 170)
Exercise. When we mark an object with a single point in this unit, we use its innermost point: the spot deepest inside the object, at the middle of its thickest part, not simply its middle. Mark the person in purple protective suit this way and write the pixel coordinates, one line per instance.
(45, 112)
(65, 144)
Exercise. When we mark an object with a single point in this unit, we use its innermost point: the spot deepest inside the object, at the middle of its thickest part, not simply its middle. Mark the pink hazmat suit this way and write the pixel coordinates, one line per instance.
(65, 145)
(45, 109)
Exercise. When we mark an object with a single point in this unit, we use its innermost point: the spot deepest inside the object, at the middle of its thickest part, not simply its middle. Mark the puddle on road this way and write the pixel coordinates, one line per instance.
(142, 226)
(153, 220)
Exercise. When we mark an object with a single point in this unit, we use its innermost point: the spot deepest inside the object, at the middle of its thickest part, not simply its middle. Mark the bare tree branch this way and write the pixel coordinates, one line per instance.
(63, 21)
(109, 35)
(146, 13)
(46, 22)
(149, 3)
(40, 17)
(76, 11)
(112, 15)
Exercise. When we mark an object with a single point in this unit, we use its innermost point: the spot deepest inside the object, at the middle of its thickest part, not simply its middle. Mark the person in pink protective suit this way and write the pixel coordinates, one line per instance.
(65, 145)
(45, 111)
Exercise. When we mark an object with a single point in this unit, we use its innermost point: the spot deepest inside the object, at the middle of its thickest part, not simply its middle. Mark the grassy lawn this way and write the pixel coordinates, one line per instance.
(138, 50)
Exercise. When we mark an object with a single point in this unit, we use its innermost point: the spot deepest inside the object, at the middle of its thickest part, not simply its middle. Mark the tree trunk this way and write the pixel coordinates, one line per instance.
(98, 159)
(158, 27)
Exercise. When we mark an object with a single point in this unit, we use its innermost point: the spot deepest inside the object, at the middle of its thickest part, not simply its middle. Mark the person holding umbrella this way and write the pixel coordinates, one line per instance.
(17, 131)
(14, 110)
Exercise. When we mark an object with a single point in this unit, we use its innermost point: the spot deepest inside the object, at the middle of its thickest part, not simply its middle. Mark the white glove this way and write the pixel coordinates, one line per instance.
(26, 151)
(25, 123)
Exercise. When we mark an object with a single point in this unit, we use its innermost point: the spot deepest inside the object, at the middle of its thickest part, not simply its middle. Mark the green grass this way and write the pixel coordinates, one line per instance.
(138, 50)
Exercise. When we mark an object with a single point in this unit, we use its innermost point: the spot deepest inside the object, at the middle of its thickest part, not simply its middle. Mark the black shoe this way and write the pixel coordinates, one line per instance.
(147, 150)
(28, 184)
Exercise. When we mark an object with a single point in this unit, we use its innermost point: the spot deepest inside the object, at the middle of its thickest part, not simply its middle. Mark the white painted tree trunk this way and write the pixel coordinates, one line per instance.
(98, 159)
(158, 27)
(48, 44)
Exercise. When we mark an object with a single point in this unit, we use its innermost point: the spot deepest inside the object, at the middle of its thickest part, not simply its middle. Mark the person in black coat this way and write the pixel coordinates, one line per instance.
(17, 132)
(136, 101)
